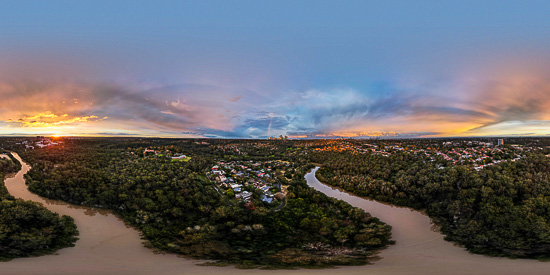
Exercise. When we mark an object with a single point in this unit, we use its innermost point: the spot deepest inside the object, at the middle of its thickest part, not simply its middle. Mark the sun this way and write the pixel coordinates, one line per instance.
(56, 135)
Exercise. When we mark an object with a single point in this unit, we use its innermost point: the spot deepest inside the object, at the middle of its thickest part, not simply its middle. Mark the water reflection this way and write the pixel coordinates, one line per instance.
(89, 211)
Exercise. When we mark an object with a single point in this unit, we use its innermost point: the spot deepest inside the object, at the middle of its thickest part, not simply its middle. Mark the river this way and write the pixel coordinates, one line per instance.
(108, 246)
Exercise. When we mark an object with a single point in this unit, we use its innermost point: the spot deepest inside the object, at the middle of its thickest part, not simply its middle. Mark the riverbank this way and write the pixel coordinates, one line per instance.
(27, 228)
(108, 246)
(420, 248)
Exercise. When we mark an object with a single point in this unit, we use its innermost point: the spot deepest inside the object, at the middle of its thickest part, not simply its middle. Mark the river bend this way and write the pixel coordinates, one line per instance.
(108, 246)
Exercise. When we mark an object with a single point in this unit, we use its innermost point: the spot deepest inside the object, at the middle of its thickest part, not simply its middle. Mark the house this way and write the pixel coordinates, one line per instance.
(234, 186)
(180, 157)
(266, 199)
(244, 195)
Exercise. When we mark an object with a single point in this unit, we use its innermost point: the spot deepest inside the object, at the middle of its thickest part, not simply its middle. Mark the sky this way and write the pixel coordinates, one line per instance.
(253, 69)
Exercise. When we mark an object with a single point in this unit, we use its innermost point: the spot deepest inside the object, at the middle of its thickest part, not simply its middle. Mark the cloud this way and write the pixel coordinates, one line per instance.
(442, 108)
(235, 99)
(518, 101)
(155, 108)
(48, 119)
(513, 128)
(445, 109)
(251, 128)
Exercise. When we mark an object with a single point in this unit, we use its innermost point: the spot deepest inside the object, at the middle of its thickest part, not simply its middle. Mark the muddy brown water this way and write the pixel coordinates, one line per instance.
(108, 246)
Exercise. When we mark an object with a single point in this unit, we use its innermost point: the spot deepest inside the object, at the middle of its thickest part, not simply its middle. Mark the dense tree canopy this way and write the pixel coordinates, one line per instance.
(27, 228)
(178, 209)
(500, 210)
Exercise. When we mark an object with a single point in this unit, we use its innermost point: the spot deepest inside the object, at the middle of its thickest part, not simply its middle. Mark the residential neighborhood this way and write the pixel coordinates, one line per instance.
(476, 154)
(243, 179)
(40, 142)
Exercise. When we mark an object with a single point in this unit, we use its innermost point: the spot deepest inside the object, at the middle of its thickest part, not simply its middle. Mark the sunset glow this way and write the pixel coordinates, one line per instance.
(385, 137)
(363, 75)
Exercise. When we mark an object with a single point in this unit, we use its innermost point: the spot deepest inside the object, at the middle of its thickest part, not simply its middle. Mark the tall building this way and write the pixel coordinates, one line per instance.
(500, 141)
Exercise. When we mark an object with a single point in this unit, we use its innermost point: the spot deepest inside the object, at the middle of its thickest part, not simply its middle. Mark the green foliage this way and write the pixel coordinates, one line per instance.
(178, 209)
(8, 165)
(29, 229)
(500, 210)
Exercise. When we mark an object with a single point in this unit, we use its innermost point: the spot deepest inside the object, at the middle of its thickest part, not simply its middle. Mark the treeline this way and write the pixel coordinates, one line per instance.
(178, 209)
(501, 210)
(27, 228)
(8, 164)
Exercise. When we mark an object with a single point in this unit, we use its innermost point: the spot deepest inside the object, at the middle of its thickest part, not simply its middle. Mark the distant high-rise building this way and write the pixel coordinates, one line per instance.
(500, 142)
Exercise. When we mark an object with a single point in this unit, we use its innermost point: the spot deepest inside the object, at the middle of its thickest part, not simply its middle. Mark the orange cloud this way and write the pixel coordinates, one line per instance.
(49, 119)
(47, 114)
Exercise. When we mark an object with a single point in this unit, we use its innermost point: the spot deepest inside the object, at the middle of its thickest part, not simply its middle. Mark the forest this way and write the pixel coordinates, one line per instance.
(27, 228)
(8, 164)
(502, 210)
(178, 209)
